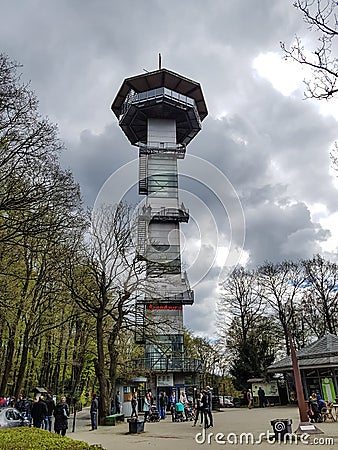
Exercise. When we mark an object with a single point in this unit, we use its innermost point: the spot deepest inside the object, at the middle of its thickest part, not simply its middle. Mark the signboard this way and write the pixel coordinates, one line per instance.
(165, 307)
(307, 427)
(270, 389)
(166, 379)
(328, 389)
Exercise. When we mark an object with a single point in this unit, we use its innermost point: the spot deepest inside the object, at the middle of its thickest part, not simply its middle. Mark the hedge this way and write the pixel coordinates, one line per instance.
(36, 439)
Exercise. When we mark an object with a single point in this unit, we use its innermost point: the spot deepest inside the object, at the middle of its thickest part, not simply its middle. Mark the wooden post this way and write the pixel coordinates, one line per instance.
(298, 382)
(305, 426)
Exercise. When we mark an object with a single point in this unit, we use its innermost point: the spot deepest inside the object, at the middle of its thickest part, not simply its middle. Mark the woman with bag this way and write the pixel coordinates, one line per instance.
(61, 414)
(146, 406)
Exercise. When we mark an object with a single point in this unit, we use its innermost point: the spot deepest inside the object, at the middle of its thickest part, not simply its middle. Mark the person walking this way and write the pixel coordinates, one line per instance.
(205, 407)
(61, 414)
(198, 409)
(209, 411)
(249, 398)
(134, 405)
(94, 407)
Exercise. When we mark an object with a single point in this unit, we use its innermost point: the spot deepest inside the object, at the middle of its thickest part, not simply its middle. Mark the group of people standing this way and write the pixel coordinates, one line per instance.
(40, 412)
(315, 407)
(203, 408)
(261, 398)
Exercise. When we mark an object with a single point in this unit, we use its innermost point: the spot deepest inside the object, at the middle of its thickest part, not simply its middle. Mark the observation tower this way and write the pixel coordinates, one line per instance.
(160, 112)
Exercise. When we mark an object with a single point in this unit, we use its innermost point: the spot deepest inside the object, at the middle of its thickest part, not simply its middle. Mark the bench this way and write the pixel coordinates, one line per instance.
(111, 420)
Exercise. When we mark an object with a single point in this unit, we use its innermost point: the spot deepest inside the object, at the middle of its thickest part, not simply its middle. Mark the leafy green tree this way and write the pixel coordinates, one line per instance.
(251, 357)
(40, 212)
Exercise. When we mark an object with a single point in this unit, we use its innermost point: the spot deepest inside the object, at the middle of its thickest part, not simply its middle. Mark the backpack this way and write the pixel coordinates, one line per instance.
(60, 411)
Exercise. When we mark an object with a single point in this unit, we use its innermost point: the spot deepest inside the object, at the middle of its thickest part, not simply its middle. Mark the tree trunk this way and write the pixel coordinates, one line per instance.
(57, 367)
(104, 403)
(23, 364)
(79, 350)
(8, 362)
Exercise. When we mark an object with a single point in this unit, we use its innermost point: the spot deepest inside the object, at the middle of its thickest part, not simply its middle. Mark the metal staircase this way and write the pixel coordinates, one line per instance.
(142, 237)
(139, 322)
(142, 176)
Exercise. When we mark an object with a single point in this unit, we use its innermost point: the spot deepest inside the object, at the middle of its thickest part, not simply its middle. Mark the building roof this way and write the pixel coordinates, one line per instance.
(322, 353)
(39, 390)
(161, 78)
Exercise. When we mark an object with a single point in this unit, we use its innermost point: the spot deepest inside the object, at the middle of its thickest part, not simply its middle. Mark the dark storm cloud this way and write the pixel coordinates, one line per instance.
(275, 233)
(95, 157)
(273, 149)
(298, 141)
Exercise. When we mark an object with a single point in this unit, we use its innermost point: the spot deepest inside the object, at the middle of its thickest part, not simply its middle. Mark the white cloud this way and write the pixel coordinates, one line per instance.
(330, 222)
(284, 75)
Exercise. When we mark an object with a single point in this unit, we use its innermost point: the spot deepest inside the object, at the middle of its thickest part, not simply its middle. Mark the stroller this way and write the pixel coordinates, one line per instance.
(154, 415)
(189, 413)
(177, 412)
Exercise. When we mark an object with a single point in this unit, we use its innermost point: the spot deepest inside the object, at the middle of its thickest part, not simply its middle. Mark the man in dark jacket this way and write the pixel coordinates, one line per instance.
(22, 405)
(93, 412)
(61, 414)
(117, 402)
(209, 410)
(205, 407)
(50, 410)
(39, 412)
(163, 404)
(261, 397)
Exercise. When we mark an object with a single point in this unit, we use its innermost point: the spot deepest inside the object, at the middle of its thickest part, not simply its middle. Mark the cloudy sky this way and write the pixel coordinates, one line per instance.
(260, 167)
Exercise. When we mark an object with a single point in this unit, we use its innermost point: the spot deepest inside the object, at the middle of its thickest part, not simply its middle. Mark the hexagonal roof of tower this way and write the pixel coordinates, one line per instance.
(157, 79)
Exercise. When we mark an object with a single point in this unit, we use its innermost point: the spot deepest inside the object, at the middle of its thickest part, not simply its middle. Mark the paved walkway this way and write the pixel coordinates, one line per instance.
(228, 425)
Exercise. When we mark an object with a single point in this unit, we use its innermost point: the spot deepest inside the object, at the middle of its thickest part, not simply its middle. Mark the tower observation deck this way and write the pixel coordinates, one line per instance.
(160, 112)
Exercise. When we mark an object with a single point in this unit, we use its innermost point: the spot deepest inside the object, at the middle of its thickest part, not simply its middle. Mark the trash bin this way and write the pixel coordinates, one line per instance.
(281, 427)
(136, 425)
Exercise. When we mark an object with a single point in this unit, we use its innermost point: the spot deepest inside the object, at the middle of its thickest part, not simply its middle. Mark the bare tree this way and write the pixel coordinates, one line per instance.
(321, 17)
(240, 299)
(281, 286)
(31, 180)
(105, 279)
(321, 295)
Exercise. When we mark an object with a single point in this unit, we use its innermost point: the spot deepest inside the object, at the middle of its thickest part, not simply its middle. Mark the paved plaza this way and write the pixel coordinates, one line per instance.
(228, 428)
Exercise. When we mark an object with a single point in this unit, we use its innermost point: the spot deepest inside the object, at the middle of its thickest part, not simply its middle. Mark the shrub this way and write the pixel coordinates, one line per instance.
(36, 439)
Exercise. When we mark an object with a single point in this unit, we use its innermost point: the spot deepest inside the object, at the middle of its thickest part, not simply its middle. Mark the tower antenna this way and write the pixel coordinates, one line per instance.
(159, 61)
